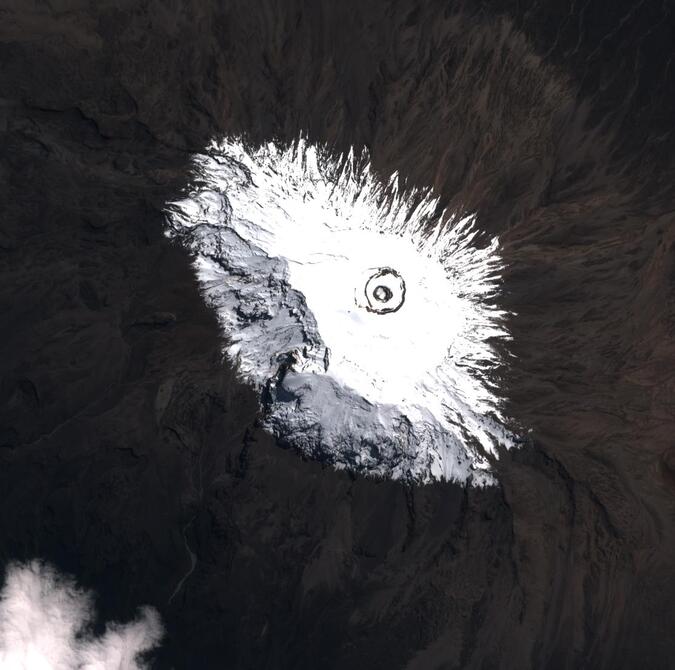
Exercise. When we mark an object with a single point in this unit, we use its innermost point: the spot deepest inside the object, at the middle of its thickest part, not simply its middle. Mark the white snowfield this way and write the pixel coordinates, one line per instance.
(365, 321)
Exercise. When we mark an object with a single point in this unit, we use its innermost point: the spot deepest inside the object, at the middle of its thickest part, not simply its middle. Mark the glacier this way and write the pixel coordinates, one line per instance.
(364, 318)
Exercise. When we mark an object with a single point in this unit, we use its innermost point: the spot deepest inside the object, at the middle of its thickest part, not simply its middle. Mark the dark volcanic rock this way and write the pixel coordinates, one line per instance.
(127, 446)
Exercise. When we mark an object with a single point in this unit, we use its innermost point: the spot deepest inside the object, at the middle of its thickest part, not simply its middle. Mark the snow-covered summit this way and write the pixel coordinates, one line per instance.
(364, 321)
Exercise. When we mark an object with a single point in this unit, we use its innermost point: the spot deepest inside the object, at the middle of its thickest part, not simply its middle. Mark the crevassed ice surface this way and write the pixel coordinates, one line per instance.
(364, 319)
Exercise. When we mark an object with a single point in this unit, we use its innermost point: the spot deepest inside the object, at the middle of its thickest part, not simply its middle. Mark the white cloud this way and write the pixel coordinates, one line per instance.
(46, 620)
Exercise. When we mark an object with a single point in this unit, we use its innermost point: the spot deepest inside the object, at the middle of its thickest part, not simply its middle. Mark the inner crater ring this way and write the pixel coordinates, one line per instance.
(384, 291)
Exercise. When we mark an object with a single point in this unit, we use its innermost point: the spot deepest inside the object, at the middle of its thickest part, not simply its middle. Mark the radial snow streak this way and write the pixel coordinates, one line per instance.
(364, 319)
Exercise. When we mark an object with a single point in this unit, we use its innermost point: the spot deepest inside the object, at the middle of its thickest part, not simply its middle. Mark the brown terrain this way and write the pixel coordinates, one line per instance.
(129, 454)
